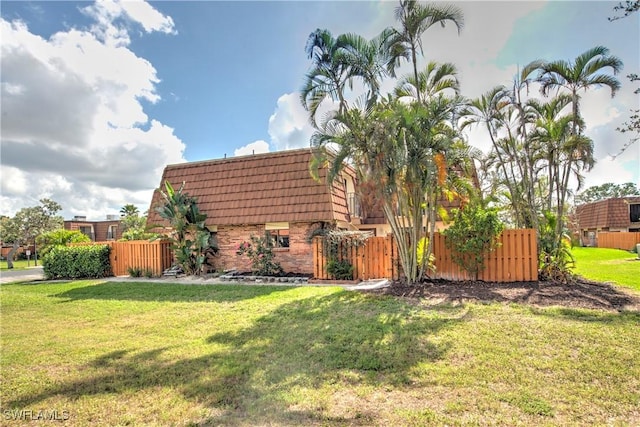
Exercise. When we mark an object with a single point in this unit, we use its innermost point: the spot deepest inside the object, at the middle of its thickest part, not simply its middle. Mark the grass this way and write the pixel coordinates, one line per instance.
(18, 265)
(113, 353)
(608, 265)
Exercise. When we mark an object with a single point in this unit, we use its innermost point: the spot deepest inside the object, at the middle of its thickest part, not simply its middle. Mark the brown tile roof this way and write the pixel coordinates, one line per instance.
(255, 189)
(605, 213)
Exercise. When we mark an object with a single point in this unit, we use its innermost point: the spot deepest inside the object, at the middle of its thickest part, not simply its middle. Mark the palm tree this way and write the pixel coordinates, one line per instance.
(582, 74)
(405, 150)
(436, 79)
(415, 19)
(494, 111)
(129, 210)
(566, 154)
(337, 62)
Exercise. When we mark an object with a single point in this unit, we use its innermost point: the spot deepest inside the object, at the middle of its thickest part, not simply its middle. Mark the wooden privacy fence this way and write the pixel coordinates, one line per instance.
(155, 256)
(622, 240)
(374, 260)
(515, 260)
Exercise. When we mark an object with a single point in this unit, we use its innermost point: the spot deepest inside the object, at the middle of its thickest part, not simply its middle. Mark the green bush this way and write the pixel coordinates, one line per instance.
(76, 262)
(134, 271)
(59, 237)
(340, 269)
(474, 233)
(260, 252)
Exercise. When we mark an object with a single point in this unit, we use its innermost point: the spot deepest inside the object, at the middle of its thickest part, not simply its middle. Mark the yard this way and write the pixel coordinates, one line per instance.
(608, 265)
(19, 264)
(113, 353)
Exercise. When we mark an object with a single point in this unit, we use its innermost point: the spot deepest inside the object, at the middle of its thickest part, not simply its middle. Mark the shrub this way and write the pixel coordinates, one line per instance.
(474, 233)
(77, 262)
(260, 252)
(190, 238)
(59, 237)
(148, 273)
(340, 269)
(134, 271)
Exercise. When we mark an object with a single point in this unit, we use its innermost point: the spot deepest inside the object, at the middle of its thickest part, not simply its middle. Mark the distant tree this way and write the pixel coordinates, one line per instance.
(60, 237)
(129, 210)
(27, 224)
(607, 191)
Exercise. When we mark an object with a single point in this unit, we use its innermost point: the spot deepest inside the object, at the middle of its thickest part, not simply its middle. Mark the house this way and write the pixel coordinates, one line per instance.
(97, 231)
(271, 193)
(611, 215)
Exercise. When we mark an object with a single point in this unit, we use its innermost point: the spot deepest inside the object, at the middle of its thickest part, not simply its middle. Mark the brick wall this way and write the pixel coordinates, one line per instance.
(297, 258)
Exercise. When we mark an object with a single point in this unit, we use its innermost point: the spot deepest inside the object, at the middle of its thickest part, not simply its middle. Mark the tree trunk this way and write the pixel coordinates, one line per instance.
(11, 254)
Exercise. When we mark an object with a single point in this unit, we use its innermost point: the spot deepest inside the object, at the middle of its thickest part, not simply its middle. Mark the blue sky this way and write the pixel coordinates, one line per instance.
(98, 98)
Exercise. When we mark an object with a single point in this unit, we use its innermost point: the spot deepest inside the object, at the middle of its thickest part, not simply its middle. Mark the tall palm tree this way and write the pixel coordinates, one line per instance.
(436, 79)
(336, 63)
(415, 19)
(566, 154)
(585, 72)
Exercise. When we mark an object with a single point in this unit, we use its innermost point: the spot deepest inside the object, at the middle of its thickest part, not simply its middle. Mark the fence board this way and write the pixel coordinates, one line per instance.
(155, 256)
(515, 259)
(621, 240)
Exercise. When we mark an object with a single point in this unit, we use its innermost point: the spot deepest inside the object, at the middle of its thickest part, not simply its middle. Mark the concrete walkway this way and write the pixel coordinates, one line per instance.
(195, 280)
(26, 275)
(36, 273)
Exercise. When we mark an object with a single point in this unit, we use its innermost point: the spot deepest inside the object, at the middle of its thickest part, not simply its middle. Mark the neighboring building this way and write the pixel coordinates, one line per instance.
(611, 215)
(273, 193)
(97, 231)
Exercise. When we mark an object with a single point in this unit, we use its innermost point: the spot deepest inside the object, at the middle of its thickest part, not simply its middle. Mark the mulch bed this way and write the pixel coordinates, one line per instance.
(580, 294)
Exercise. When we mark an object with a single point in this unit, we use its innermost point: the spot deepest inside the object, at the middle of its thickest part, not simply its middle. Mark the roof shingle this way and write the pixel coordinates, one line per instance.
(612, 212)
(255, 189)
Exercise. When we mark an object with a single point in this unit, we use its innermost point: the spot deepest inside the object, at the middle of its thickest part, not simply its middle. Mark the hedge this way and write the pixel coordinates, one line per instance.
(76, 262)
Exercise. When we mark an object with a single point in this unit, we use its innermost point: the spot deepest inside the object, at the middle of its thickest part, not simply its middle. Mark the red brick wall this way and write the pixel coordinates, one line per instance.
(100, 228)
(298, 258)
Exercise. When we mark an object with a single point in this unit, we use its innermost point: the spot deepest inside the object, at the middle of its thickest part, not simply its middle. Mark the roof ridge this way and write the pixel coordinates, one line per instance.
(280, 153)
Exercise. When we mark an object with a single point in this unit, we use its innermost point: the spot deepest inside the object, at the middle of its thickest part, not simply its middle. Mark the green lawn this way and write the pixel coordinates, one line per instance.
(19, 265)
(106, 353)
(608, 265)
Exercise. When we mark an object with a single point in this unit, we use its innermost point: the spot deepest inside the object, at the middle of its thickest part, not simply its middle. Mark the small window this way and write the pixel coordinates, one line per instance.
(279, 232)
(634, 212)
(112, 232)
(281, 238)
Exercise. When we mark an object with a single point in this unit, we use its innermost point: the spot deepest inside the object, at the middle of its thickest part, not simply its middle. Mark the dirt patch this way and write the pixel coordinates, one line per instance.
(581, 294)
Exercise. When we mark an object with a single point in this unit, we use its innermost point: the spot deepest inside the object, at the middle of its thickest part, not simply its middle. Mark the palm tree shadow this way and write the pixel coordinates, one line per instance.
(305, 343)
(174, 292)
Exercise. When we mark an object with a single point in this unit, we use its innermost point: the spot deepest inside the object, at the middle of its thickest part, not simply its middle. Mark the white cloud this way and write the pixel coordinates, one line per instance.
(256, 147)
(73, 126)
(597, 108)
(13, 180)
(289, 125)
(148, 17)
(607, 170)
(108, 13)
